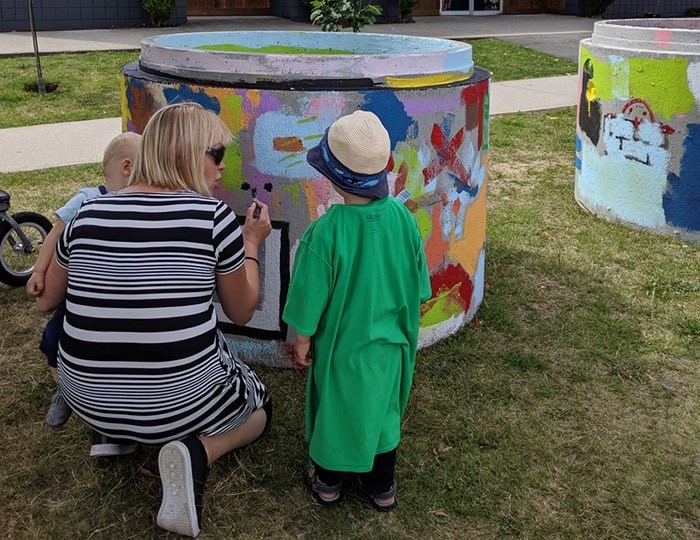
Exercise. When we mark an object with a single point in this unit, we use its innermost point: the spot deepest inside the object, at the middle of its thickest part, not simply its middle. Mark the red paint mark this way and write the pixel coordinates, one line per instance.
(455, 207)
(436, 246)
(447, 156)
(401, 178)
(446, 278)
(637, 110)
(663, 38)
(473, 97)
(288, 144)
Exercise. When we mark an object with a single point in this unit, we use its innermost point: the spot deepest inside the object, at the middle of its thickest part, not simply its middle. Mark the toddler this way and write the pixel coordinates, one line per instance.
(118, 157)
(358, 280)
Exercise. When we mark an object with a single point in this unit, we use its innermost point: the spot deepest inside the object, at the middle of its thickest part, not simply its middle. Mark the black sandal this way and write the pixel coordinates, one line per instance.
(372, 498)
(317, 487)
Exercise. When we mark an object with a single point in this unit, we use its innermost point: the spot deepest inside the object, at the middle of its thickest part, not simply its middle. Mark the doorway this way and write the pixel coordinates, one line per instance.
(471, 7)
(227, 8)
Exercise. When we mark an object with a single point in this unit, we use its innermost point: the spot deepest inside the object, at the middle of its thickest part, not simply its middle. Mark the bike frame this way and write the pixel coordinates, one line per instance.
(27, 245)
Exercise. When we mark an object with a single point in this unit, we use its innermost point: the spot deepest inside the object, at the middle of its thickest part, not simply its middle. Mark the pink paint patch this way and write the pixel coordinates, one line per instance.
(663, 38)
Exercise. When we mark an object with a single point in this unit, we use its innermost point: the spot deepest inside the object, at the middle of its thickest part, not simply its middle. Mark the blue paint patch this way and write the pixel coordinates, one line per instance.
(391, 112)
(461, 187)
(681, 201)
(133, 85)
(446, 125)
(579, 147)
(185, 92)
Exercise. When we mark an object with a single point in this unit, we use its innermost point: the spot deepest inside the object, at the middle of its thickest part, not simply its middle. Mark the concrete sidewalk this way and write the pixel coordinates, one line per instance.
(73, 143)
(448, 27)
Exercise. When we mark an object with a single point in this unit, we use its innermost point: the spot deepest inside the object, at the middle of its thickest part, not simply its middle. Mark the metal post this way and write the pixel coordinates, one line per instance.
(40, 78)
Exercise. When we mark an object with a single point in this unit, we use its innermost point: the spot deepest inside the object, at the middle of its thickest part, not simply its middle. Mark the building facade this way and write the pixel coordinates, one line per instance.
(95, 14)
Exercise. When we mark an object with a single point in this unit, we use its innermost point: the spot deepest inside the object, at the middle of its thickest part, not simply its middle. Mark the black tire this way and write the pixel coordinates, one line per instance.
(16, 265)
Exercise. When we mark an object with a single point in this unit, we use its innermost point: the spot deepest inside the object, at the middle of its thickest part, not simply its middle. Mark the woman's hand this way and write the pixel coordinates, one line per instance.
(256, 229)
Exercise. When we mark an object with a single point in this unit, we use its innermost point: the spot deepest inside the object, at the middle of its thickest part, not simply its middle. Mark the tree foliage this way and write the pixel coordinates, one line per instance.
(332, 15)
(598, 7)
(159, 10)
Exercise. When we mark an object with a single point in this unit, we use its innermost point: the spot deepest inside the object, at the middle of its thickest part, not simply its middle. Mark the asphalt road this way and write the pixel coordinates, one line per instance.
(562, 45)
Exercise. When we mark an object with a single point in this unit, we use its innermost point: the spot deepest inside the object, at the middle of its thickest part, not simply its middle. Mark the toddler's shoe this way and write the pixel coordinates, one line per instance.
(322, 492)
(59, 411)
(381, 502)
(103, 446)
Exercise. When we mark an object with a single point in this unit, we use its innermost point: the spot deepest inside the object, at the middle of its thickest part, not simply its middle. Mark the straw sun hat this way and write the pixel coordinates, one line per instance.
(353, 154)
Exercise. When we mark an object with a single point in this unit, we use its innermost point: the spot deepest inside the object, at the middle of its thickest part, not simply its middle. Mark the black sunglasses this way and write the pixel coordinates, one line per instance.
(217, 154)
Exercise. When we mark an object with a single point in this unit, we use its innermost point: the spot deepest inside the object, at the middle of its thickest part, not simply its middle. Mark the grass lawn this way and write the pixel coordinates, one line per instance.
(564, 411)
(88, 83)
(510, 62)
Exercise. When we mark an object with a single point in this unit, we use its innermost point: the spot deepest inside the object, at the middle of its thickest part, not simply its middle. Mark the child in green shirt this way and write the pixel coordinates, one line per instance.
(358, 280)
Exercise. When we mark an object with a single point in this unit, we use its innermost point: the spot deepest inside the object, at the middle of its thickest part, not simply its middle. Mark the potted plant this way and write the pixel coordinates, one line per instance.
(159, 10)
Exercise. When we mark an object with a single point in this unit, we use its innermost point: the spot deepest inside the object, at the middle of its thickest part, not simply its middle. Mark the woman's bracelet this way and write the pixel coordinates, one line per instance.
(253, 259)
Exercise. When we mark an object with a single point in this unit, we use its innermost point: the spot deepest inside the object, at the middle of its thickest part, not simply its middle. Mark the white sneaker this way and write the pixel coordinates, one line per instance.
(178, 512)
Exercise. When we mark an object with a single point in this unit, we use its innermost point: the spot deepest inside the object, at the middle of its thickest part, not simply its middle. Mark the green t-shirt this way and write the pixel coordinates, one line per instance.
(358, 280)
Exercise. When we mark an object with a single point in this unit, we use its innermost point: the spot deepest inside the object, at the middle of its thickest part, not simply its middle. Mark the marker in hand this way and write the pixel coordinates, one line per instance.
(256, 212)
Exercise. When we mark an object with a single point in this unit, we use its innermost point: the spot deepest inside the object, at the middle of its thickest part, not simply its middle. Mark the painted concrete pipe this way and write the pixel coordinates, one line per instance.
(638, 127)
(279, 91)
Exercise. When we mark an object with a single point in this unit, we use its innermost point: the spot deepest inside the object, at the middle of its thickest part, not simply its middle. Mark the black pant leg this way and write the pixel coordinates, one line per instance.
(330, 478)
(381, 477)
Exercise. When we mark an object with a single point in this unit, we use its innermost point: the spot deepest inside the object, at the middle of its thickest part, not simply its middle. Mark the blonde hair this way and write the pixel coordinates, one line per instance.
(174, 144)
(123, 146)
(118, 158)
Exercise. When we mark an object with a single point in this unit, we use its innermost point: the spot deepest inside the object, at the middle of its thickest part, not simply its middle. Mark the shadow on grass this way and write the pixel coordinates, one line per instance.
(542, 419)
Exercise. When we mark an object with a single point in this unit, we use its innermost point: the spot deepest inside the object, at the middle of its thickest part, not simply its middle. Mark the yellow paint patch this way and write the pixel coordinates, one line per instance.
(425, 224)
(436, 79)
(661, 83)
(466, 250)
(591, 95)
(309, 189)
(293, 190)
(408, 156)
(253, 97)
(230, 107)
(442, 307)
(246, 115)
(126, 113)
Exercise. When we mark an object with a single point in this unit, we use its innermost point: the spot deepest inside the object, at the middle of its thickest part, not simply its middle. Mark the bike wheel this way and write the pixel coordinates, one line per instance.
(16, 260)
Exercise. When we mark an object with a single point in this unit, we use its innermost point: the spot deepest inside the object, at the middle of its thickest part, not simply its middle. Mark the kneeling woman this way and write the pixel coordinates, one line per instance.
(141, 359)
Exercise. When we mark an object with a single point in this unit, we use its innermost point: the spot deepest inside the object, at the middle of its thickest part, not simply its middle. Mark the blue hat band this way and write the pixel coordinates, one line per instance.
(345, 175)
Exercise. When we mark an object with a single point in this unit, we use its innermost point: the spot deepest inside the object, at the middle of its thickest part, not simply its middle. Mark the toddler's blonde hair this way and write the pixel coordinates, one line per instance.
(123, 146)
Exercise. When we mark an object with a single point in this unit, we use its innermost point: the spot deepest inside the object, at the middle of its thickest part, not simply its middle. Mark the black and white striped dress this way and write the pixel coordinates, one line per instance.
(140, 355)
